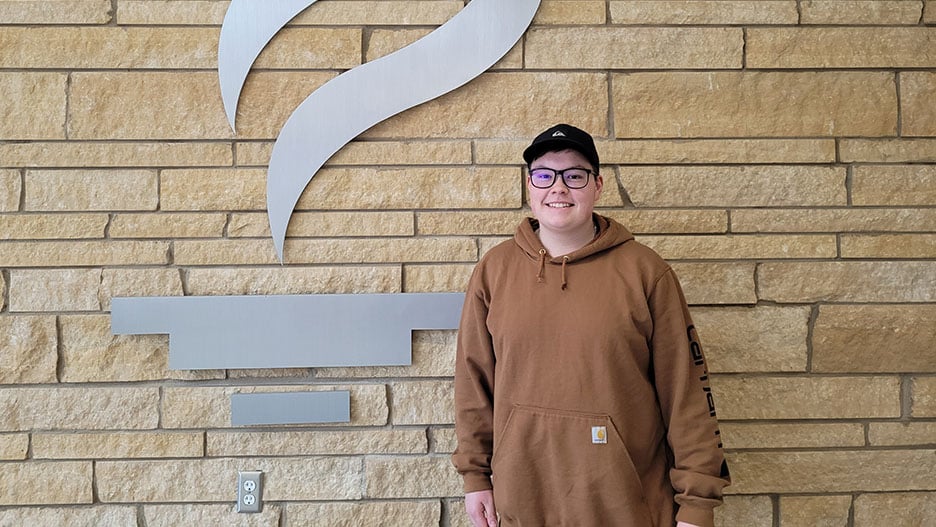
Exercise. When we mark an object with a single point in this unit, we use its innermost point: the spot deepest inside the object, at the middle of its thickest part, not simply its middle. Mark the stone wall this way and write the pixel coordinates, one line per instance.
(781, 154)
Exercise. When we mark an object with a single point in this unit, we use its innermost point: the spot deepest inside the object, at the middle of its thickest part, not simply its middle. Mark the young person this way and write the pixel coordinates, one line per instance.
(581, 393)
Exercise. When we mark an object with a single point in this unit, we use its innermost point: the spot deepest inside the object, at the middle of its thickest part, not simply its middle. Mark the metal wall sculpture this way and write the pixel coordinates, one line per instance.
(233, 332)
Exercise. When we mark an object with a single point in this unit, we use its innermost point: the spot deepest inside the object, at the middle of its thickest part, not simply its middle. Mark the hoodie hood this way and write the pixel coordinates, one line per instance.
(610, 234)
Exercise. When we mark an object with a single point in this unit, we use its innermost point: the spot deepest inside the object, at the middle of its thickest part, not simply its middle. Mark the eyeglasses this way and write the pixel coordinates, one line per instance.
(573, 178)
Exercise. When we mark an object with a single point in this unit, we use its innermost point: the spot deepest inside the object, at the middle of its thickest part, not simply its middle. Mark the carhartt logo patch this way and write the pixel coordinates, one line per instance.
(599, 435)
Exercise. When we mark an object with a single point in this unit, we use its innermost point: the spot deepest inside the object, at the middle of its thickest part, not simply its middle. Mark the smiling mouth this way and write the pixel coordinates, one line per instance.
(559, 205)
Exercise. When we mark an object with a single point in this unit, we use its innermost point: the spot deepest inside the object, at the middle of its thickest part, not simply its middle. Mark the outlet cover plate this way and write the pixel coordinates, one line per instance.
(249, 491)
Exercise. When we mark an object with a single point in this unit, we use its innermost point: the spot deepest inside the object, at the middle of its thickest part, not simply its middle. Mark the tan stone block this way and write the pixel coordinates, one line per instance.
(831, 472)
(55, 290)
(716, 12)
(814, 511)
(889, 246)
(293, 281)
(469, 222)
(29, 349)
(861, 12)
(124, 154)
(917, 93)
(11, 185)
(671, 221)
(326, 224)
(411, 477)
(433, 356)
(806, 397)
(717, 282)
(383, 42)
(300, 251)
(138, 282)
(49, 483)
(3, 291)
(690, 104)
(413, 188)
(838, 47)
(410, 152)
(170, 12)
(209, 514)
(313, 48)
(442, 440)
(200, 480)
(33, 105)
(380, 13)
(901, 434)
(91, 47)
(887, 150)
(80, 190)
(180, 105)
(97, 445)
(83, 253)
(929, 12)
(436, 278)
(365, 513)
(167, 225)
(52, 226)
(762, 339)
(923, 397)
(210, 407)
(740, 436)
(213, 189)
(741, 246)
(832, 220)
(423, 402)
(752, 511)
(894, 185)
(90, 353)
(876, 338)
(344, 443)
(13, 447)
(563, 12)
(117, 516)
(746, 186)
(634, 48)
(694, 151)
(79, 408)
(55, 12)
(536, 100)
(899, 509)
(802, 282)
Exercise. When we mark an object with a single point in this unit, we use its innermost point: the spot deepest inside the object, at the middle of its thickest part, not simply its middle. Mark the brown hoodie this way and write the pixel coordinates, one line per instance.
(581, 391)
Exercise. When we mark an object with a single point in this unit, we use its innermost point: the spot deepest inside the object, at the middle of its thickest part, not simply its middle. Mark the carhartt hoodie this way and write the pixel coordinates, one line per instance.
(581, 392)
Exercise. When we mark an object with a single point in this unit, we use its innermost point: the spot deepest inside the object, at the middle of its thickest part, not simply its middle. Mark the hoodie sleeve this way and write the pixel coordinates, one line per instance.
(474, 391)
(699, 471)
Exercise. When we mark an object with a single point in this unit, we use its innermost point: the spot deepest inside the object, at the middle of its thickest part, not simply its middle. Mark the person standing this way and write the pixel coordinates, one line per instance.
(581, 391)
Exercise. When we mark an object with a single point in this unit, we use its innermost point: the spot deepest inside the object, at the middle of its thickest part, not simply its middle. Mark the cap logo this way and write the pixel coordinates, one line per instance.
(558, 133)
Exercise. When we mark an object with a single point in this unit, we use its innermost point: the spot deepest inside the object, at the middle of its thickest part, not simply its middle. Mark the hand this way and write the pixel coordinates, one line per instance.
(684, 524)
(480, 507)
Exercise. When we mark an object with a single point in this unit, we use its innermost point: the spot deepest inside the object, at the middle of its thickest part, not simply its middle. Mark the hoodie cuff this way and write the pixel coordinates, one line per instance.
(703, 517)
(475, 481)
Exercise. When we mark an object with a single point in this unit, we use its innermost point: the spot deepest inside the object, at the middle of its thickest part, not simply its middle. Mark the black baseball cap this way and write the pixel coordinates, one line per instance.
(561, 137)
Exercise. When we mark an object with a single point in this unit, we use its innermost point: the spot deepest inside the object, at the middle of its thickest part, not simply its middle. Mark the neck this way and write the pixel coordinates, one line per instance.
(562, 243)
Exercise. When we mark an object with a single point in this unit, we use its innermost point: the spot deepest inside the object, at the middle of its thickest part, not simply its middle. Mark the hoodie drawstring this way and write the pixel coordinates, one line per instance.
(540, 276)
(564, 260)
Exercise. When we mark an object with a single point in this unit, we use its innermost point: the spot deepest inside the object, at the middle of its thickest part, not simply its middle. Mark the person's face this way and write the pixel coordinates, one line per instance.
(558, 208)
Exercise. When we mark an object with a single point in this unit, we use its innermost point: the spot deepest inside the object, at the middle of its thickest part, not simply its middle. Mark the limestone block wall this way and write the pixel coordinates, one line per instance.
(780, 153)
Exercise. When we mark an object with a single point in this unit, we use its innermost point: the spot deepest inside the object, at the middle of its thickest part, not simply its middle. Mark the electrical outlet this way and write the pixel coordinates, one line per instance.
(249, 491)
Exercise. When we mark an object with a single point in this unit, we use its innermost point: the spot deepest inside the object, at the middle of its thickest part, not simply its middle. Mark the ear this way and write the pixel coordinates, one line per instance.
(599, 184)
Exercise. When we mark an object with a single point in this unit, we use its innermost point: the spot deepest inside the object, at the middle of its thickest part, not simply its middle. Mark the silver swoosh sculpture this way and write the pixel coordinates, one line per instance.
(343, 108)
(248, 27)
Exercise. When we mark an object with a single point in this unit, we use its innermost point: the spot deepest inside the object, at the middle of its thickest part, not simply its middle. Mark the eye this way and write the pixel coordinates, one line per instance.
(576, 175)
(541, 175)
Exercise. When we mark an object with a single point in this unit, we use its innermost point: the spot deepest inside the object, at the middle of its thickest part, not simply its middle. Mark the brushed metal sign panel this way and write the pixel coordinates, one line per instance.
(287, 331)
(285, 408)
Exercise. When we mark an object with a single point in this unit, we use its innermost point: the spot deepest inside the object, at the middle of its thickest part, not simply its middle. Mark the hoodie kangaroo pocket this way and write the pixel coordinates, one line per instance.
(556, 467)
